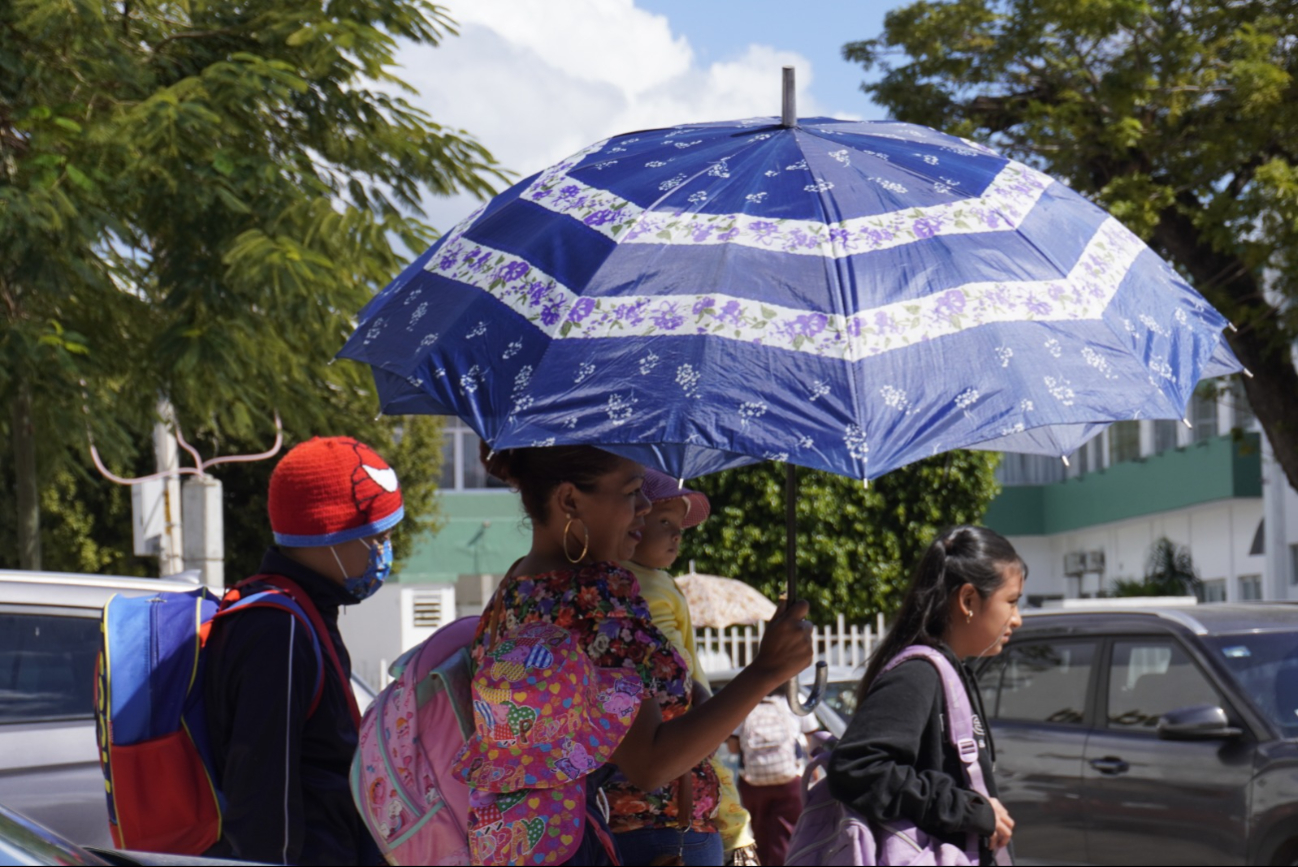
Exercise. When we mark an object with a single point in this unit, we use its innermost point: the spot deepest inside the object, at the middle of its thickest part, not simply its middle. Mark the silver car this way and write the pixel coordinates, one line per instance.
(49, 639)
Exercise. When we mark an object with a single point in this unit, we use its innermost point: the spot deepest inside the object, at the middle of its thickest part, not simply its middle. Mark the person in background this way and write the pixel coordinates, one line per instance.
(675, 509)
(772, 760)
(281, 765)
(895, 760)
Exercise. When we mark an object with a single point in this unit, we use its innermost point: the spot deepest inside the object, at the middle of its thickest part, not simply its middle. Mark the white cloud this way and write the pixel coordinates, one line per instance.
(535, 82)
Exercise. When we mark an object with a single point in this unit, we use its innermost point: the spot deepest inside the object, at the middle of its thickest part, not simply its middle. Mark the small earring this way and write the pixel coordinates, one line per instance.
(968, 616)
(585, 545)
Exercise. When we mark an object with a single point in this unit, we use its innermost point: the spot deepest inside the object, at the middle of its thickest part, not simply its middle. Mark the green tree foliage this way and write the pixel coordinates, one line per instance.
(856, 546)
(1178, 116)
(86, 524)
(196, 198)
(1169, 571)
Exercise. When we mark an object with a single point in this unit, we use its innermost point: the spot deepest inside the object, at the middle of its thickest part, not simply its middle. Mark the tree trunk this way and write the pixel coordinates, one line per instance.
(28, 491)
(1261, 344)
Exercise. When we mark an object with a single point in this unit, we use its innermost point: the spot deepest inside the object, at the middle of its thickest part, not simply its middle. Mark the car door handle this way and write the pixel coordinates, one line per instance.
(1110, 765)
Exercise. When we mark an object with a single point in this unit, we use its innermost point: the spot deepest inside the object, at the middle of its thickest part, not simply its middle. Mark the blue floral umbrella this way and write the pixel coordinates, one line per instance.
(848, 296)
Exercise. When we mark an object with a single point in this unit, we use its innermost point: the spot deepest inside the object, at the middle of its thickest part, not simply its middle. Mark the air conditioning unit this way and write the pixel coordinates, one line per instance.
(424, 610)
(1095, 561)
(1074, 563)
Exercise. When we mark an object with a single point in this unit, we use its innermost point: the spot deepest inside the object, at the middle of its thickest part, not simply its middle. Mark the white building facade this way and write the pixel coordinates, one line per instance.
(1210, 485)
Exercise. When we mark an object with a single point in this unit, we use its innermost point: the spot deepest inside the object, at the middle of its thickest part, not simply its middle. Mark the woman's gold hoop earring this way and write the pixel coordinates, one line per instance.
(585, 545)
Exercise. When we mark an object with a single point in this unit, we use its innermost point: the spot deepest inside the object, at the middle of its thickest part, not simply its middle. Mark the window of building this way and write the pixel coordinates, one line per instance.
(1250, 587)
(1203, 413)
(1244, 417)
(1149, 677)
(1044, 681)
(1165, 433)
(1124, 442)
(1019, 469)
(1214, 590)
(462, 469)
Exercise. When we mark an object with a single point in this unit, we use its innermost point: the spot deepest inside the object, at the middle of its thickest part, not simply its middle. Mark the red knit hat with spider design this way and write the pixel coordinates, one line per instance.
(332, 489)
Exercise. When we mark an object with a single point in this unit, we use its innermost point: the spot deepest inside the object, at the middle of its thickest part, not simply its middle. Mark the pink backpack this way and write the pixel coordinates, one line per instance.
(415, 808)
(829, 833)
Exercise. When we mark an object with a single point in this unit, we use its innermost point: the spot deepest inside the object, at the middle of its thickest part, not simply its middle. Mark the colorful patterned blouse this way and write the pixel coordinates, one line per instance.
(601, 605)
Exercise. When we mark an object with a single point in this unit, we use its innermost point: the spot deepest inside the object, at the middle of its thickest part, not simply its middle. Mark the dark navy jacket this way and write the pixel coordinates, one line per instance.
(284, 776)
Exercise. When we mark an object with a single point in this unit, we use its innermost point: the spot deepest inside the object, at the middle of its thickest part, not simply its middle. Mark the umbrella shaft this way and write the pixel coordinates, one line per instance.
(791, 530)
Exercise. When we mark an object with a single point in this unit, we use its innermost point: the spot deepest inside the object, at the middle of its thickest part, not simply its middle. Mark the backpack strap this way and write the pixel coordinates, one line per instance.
(959, 729)
(286, 595)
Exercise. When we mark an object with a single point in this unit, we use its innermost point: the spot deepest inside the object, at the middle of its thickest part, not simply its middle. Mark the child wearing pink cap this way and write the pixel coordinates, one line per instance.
(676, 509)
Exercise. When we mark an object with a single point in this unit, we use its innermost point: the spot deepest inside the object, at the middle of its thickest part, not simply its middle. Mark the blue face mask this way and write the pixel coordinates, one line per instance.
(376, 571)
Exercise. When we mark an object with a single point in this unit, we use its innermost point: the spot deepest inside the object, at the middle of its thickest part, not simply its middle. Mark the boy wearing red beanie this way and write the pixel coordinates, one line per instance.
(281, 714)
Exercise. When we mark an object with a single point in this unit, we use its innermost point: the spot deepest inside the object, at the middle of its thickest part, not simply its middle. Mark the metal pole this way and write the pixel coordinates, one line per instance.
(791, 527)
(171, 557)
(792, 691)
(205, 530)
(789, 114)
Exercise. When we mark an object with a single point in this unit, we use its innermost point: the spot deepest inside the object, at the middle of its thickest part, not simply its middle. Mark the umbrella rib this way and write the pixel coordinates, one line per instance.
(833, 268)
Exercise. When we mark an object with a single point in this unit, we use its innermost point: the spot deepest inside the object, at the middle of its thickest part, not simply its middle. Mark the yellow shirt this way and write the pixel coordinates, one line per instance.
(671, 614)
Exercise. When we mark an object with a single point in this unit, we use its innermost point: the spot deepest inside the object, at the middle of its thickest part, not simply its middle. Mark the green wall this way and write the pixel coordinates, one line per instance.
(443, 556)
(1216, 469)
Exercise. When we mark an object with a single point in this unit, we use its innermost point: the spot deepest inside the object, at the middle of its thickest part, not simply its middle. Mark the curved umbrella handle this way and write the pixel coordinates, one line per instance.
(817, 690)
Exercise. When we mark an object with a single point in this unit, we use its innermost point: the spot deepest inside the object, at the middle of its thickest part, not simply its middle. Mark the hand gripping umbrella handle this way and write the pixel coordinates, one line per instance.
(791, 571)
(817, 690)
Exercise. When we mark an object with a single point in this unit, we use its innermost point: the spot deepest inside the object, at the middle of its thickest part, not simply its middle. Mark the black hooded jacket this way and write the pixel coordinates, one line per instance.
(284, 776)
(895, 761)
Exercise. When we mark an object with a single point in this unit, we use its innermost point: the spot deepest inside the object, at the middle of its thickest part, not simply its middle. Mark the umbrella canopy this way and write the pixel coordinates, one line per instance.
(849, 296)
(717, 602)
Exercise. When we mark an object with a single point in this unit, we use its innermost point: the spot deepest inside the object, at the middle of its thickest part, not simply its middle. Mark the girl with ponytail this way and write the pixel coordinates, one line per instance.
(895, 761)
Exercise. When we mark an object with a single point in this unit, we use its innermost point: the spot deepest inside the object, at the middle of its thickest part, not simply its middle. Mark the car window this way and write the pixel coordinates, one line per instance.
(47, 666)
(1044, 681)
(1265, 664)
(1149, 677)
(841, 696)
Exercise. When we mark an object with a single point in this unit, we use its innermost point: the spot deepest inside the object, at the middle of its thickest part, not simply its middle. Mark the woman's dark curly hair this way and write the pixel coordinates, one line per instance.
(536, 472)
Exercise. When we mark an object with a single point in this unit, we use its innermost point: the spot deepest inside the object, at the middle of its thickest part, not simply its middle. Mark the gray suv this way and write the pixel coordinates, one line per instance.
(49, 639)
(1150, 736)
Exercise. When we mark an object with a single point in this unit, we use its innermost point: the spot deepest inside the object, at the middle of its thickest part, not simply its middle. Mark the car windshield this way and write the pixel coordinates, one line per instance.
(1266, 665)
(841, 696)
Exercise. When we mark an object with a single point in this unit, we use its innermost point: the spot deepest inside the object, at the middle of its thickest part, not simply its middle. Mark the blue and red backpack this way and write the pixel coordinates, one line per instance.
(150, 718)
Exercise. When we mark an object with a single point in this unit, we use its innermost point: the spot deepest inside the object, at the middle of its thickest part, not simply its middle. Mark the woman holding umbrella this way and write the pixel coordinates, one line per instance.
(587, 511)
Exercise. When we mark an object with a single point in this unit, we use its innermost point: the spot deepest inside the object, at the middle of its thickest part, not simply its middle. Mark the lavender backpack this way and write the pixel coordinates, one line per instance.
(829, 833)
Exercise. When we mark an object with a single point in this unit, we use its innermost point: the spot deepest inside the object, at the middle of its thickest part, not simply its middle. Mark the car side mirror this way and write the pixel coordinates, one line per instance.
(1200, 722)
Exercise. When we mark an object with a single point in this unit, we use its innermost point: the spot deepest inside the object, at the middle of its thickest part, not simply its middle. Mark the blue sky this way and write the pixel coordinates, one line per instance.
(537, 80)
(817, 30)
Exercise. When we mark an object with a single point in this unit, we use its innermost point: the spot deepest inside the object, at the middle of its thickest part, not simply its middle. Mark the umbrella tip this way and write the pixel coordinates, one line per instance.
(1186, 422)
(1248, 373)
(1231, 326)
(680, 485)
(1064, 458)
(789, 109)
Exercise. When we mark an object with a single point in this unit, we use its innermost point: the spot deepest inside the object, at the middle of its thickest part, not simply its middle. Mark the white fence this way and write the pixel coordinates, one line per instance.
(735, 646)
